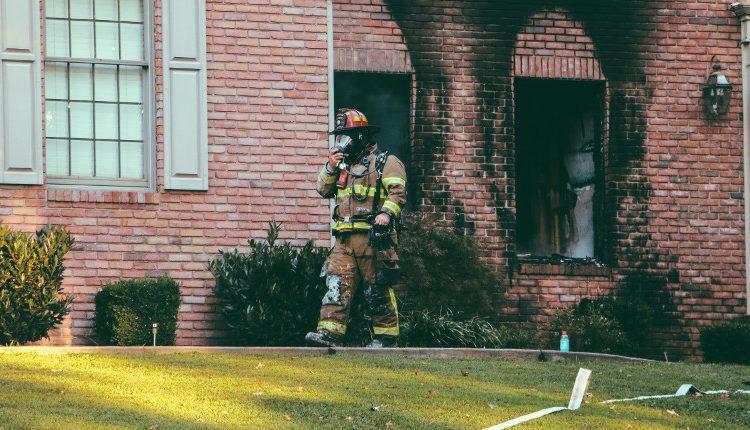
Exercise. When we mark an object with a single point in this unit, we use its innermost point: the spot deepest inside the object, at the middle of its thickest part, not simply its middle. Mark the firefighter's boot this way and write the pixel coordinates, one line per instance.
(321, 338)
(383, 342)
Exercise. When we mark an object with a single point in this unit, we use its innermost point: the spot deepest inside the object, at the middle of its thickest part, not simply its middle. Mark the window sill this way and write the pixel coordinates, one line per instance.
(570, 267)
(91, 196)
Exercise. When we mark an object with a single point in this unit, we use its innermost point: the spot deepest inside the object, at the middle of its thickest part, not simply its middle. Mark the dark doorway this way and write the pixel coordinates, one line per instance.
(384, 98)
(559, 175)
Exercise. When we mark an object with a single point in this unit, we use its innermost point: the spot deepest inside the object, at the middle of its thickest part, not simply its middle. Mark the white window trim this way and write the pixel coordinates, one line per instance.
(149, 116)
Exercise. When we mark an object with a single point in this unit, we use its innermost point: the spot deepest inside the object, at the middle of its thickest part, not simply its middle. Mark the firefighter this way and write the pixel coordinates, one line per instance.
(370, 190)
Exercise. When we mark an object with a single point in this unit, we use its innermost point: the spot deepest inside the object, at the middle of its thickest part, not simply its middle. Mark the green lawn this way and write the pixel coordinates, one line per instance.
(224, 391)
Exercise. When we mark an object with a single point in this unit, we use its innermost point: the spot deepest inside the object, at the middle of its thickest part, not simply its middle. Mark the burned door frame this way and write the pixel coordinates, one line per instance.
(599, 89)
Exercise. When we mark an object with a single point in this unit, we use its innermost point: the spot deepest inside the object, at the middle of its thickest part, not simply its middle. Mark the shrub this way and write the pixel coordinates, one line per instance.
(272, 295)
(31, 300)
(442, 265)
(424, 328)
(439, 265)
(727, 343)
(591, 328)
(427, 329)
(126, 310)
(518, 337)
(620, 325)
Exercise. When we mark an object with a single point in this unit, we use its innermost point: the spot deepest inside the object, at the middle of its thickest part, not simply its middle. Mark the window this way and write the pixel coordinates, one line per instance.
(96, 86)
(559, 178)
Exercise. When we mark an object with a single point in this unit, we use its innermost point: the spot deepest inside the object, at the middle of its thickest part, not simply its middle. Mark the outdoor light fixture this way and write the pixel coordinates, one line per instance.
(717, 92)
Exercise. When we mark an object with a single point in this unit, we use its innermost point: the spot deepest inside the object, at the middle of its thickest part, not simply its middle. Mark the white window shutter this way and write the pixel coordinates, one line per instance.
(20, 93)
(185, 95)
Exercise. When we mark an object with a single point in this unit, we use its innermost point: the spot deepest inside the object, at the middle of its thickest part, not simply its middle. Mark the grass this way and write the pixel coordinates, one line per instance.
(223, 391)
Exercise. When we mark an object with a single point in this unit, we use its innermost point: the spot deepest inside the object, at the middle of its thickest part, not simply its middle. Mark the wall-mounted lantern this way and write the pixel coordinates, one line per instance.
(717, 92)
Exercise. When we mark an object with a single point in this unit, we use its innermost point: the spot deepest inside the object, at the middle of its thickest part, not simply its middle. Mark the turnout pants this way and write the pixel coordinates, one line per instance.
(353, 264)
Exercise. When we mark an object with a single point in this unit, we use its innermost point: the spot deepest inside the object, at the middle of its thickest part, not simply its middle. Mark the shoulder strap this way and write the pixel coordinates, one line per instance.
(380, 160)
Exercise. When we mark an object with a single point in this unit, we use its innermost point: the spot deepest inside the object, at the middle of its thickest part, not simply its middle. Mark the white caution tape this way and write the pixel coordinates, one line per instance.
(684, 390)
(576, 399)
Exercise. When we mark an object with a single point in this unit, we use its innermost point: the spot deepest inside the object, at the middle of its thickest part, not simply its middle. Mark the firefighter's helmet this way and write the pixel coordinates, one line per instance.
(349, 121)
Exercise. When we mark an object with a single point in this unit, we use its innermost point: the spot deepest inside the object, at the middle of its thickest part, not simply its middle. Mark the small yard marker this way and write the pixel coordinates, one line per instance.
(576, 399)
(580, 389)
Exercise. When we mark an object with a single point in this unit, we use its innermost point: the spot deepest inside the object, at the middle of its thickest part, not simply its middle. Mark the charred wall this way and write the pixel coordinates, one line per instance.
(671, 217)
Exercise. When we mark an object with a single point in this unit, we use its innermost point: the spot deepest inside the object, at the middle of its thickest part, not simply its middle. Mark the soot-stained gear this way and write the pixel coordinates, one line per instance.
(380, 235)
(333, 296)
(356, 265)
(377, 298)
(321, 338)
(365, 193)
(374, 183)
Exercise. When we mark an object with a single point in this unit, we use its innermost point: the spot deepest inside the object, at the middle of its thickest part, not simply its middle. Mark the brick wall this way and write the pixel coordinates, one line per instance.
(553, 45)
(366, 39)
(268, 116)
(673, 179)
(673, 208)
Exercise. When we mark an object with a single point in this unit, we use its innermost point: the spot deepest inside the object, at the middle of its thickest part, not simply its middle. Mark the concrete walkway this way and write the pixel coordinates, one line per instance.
(514, 354)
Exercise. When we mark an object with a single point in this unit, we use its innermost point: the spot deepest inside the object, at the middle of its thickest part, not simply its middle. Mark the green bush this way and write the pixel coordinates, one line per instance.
(516, 336)
(727, 343)
(272, 295)
(440, 265)
(126, 310)
(591, 328)
(620, 325)
(427, 329)
(31, 300)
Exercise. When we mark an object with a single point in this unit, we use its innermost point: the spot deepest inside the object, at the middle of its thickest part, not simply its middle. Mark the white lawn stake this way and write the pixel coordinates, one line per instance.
(576, 399)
